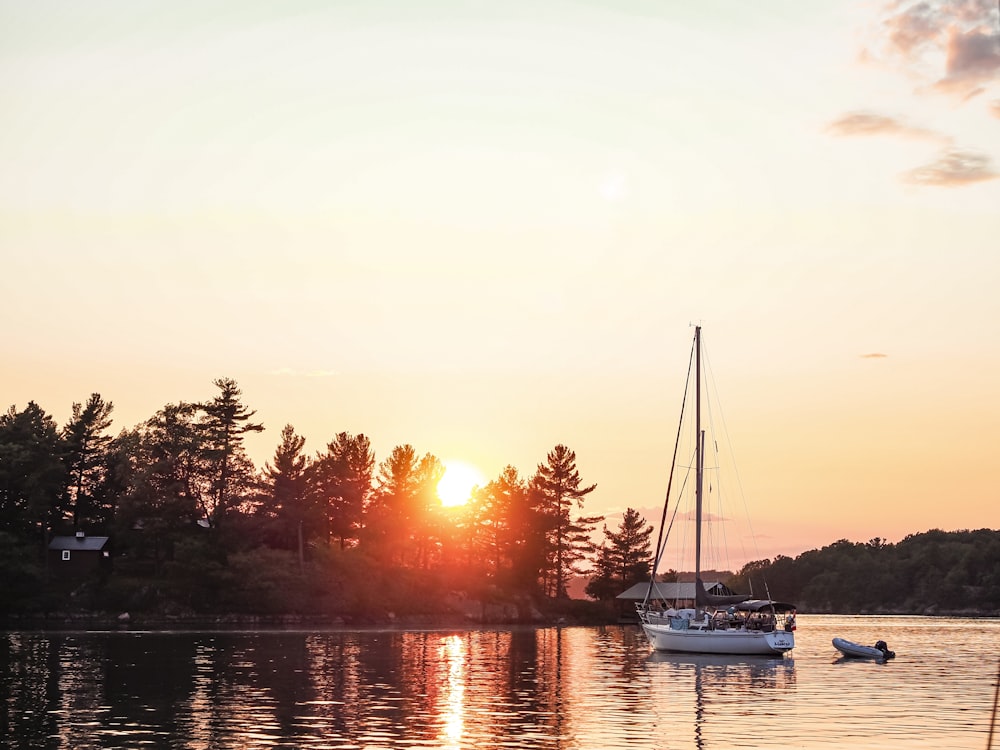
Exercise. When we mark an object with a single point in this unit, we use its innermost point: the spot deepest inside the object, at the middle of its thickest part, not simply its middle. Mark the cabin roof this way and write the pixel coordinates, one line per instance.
(668, 591)
(84, 543)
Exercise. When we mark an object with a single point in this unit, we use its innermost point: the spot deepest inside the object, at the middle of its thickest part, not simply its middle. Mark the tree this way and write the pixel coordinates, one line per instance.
(428, 526)
(340, 483)
(169, 478)
(118, 477)
(288, 492)
(392, 505)
(624, 557)
(86, 446)
(557, 487)
(490, 525)
(527, 539)
(224, 423)
(398, 517)
(32, 472)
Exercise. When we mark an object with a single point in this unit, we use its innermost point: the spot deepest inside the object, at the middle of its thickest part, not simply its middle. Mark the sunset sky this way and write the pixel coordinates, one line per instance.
(485, 228)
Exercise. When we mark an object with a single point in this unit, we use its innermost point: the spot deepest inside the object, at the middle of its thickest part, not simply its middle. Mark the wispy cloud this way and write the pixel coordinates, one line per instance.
(706, 516)
(869, 123)
(954, 168)
(289, 372)
(874, 355)
(947, 47)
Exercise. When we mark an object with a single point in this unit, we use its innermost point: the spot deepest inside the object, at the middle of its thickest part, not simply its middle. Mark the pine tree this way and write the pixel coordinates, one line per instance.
(623, 558)
(32, 472)
(224, 423)
(556, 486)
(390, 512)
(340, 482)
(86, 451)
(287, 491)
(490, 520)
(169, 479)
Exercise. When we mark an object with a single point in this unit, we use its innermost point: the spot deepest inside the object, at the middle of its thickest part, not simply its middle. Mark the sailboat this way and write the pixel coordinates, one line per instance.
(720, 622)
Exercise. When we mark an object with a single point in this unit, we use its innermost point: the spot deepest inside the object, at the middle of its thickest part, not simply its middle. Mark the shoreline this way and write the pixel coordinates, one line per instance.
(79, 621)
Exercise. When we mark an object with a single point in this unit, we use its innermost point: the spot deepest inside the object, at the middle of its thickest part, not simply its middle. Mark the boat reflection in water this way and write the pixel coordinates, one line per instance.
(722, 693)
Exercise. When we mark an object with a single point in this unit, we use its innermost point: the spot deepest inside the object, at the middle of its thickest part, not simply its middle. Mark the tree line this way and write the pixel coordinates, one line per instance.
(931, 572)
(197, 527)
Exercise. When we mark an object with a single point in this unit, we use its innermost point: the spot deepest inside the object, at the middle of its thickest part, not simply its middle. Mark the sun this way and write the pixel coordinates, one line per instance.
(456, 485)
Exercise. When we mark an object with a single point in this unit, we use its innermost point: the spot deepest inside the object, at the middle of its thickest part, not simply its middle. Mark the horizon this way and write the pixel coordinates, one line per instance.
(484, 231)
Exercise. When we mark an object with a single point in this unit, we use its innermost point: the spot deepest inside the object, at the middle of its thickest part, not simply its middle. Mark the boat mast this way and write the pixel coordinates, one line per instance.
(699, 465)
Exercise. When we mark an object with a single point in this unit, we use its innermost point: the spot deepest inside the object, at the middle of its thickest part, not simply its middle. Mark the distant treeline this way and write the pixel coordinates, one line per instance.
(196, 529)
(935, 572)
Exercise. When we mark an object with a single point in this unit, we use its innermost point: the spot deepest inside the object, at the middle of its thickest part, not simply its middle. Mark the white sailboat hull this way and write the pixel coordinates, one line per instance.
(745, 642)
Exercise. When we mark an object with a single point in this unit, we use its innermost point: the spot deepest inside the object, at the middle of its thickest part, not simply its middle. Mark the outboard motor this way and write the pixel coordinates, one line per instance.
(881, 646)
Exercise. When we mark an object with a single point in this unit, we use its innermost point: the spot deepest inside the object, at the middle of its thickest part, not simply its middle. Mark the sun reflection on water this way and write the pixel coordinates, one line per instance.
(453, 653)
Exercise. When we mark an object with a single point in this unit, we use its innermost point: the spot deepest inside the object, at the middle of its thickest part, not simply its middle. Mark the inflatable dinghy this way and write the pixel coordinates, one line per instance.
(879, 651)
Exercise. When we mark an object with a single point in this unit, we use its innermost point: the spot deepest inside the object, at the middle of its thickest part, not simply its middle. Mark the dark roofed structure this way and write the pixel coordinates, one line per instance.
(670, 591)
(78, 555)
(680, 594)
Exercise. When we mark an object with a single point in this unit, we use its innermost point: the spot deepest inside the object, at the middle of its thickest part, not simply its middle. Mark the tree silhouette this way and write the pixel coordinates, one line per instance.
(163, 501)
(557, 487)
(32, 472)
(288, 491)
(623, 558)
(224, 423)
(491, 526)
(390, 510)
(86, 451)
(340, 483)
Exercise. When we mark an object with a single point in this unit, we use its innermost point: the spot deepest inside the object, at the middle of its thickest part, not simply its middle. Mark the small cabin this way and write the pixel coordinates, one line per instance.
(79, 555)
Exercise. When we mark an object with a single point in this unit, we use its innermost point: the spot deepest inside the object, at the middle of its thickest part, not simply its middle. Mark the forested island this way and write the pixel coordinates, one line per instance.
(183, 528)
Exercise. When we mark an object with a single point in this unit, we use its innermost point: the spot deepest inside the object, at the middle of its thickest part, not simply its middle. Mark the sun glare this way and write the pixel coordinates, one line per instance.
(456, 485)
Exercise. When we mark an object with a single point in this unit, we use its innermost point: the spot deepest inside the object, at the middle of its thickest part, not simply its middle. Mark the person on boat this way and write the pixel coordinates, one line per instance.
(790, 621)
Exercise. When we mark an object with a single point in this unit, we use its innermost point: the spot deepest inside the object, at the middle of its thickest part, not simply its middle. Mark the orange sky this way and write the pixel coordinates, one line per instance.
(485, 230)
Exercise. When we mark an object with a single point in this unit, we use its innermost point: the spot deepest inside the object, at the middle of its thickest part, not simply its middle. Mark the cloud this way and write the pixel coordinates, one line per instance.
(874, 355)
(289, 372)
(869, 123)
(972, 60)
(706, 516)
(953, 168)
(910, 30)
(950, 47)
(954, 45)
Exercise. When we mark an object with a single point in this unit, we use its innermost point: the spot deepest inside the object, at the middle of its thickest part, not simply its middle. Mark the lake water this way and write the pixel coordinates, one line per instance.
(565, 688)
